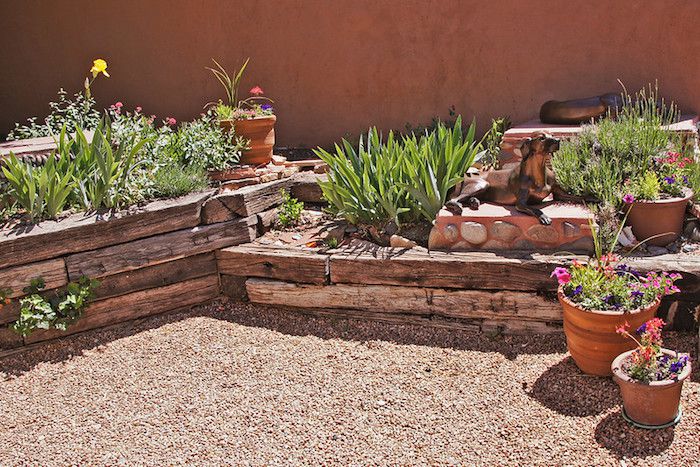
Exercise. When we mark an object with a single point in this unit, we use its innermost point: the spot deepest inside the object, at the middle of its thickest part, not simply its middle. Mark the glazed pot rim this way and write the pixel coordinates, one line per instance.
(689, 195)
(566, 300)
(231, 120)
(620, 374)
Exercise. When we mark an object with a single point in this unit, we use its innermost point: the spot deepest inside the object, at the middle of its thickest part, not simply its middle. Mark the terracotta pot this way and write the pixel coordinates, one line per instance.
(662, 217)
(655, 403)
(260, 132)
(591, 337)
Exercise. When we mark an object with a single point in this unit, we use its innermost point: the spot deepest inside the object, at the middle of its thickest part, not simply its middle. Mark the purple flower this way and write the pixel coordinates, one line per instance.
(685, 180)
(636, 294)
(670, 180)
(576, 291)
(628, 198)
(266, 107)
(622, 269)
(679, 364)
(642, 329)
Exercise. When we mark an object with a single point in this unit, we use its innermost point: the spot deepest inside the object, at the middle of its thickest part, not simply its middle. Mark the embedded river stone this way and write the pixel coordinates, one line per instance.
(543, 233)
(504, 231)
(451, 233)
(474, 232)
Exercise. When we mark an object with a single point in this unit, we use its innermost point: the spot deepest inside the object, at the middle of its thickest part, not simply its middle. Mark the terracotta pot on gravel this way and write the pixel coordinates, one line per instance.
(591, 337)
(655, 403)
(661, 219)
(260, 133)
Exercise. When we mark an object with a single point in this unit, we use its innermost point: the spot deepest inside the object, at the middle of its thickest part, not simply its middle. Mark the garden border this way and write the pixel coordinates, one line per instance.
(174, 254)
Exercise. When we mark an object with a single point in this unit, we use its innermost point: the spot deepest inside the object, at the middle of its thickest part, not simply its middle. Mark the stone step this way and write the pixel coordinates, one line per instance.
(497, 227)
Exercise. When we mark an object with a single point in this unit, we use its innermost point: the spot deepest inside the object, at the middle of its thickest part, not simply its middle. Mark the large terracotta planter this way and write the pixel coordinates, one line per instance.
(591, 337)
(653, 404)
(661, 219)
(260, 132)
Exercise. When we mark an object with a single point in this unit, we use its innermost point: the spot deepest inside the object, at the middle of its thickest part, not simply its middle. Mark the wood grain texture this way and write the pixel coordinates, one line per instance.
(161, 248)
(138, 304)
(294, 265)
(158, 275)
(18, 277)
(244, 202)
(475, 270)
(79, 232)
(413, 300)
(305, 187)
(233, 287)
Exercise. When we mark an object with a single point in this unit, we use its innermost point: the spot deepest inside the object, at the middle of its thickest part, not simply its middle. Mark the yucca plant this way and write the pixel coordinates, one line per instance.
(400, 179)
(436, 162)
(366, 185)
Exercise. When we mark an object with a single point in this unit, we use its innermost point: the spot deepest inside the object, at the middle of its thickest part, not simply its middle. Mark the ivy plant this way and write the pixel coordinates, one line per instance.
(55, 311)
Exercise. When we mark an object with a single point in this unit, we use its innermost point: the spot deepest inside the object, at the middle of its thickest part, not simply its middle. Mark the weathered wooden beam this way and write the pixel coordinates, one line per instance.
(305, 187)
(244, 202)
(295, 265)
(161, 248)
(413, 300)
(158, 275)
(138, 304)
(18, 277)
(80, 232)
(475, 270)
(233, 287)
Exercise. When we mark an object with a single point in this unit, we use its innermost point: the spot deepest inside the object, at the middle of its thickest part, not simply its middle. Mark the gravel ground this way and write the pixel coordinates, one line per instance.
(240, 384)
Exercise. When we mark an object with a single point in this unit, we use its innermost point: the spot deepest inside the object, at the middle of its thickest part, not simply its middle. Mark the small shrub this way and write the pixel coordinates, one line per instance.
(80, 111)
(492, 141)
(614, 150)
(177, 180)
(289, 212)
(647, 187)
(58, 311)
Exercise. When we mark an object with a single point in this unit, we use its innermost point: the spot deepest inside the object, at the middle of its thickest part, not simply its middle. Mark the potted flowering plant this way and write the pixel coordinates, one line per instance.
(650, 377)
(656, 201)
(252, 118)
(600, 295)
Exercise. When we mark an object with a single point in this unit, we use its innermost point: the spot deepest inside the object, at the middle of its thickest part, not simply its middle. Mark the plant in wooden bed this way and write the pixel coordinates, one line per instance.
(55, 310)
(252, 118)
(387, 183)
(600, 295)
(632, 155)
(650, 377)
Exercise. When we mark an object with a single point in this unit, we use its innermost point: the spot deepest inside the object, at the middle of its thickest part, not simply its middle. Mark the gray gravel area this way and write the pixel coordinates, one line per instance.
(232, 384)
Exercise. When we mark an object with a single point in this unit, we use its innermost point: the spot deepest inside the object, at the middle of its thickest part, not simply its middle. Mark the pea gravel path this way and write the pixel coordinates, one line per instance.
(239, 384)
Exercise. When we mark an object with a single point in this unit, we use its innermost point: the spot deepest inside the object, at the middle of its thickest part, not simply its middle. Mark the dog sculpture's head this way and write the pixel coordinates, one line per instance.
(540, 143)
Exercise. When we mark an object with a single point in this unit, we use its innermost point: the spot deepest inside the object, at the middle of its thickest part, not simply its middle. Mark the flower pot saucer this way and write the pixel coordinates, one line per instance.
(653, 427)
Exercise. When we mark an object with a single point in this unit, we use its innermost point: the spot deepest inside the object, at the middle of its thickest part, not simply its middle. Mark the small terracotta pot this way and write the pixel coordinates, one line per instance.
(591, 337)
(663, 217)
(260, 133)
(655, 403)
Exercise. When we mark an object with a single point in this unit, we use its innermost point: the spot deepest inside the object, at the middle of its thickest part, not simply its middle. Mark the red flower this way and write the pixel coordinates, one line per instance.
(118, 105)
(256, 91)
(622, 329)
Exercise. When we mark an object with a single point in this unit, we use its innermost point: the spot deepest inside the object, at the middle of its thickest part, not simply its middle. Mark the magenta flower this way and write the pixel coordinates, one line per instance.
(170, 121)
(628, 198)
(562, 274)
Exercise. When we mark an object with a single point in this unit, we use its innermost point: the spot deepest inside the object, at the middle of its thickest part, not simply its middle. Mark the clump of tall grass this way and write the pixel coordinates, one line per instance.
(620, 147)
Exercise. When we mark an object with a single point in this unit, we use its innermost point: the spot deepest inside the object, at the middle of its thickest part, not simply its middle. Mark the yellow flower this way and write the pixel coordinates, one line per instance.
(99, 66)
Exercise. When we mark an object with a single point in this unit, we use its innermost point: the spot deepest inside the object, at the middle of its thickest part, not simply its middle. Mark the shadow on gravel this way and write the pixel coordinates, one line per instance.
(75, 345)
(623, 440)
(568, 391)
(305, 323)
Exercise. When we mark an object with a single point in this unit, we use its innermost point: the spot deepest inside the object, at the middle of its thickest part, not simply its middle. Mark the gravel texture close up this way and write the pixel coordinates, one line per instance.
(232, 384)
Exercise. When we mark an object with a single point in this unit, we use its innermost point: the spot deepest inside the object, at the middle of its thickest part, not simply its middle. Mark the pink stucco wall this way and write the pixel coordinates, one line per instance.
(336, 66)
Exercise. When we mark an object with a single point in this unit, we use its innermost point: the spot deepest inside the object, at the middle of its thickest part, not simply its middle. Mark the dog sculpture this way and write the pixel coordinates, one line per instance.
(521, 184)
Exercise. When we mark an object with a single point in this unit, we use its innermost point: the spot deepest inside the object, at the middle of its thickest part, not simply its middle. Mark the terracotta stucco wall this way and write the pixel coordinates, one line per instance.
(337, 66)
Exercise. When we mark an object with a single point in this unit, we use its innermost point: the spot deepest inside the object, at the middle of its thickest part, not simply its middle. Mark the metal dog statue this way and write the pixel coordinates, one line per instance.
(522, 184)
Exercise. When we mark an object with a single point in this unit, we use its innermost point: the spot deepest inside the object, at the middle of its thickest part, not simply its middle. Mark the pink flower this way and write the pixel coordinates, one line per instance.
(256, 91)
(138, 109)
(628, 199)
(562, 275)
(118, 105)
(170, 121)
